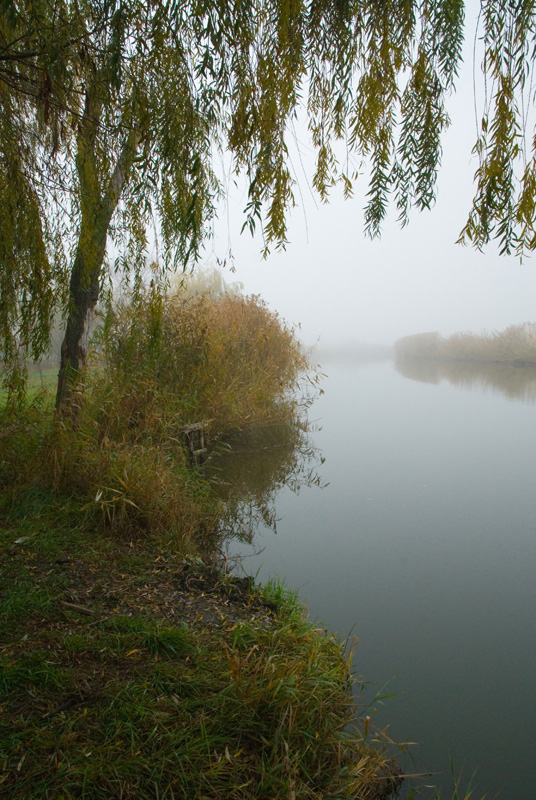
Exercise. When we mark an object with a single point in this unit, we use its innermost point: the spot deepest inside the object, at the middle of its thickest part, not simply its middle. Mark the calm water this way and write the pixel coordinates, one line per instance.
(424, 546)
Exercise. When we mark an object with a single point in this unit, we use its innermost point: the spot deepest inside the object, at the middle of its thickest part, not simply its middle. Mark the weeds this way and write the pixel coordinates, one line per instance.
(229, 360)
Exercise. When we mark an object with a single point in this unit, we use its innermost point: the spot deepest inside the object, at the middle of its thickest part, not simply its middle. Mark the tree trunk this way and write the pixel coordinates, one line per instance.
(84, 294)
(97, 205)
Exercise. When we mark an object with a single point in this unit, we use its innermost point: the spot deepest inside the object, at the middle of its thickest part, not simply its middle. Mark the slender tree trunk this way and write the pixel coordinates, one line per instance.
(84, 294)
(97, 204)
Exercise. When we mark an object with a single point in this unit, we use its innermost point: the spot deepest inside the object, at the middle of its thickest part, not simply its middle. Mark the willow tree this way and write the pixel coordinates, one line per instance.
(112, 113)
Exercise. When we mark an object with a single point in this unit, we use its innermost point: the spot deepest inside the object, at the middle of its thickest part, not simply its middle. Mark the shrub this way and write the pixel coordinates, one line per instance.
(229, 359)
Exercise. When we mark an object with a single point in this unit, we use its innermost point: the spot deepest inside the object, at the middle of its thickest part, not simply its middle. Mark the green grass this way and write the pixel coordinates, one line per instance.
(131, 670)
(126, 672)
(43, 379)
(42, 383)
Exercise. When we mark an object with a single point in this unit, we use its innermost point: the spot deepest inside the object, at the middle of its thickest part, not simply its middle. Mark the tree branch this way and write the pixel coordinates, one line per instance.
(120, 174)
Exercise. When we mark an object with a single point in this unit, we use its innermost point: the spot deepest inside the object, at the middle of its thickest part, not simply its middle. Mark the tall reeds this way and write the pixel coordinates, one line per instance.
(230, 360)
(515, 345)
(163, 362)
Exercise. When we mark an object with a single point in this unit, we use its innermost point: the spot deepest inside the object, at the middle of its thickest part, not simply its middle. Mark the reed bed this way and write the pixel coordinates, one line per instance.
(161, 362)
(515, 345)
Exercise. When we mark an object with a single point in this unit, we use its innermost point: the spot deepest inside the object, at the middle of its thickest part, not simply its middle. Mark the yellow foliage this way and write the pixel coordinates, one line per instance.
(227, 359)
(167, 362)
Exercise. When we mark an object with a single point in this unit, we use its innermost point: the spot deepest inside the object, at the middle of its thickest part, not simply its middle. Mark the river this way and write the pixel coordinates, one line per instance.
(423, 545)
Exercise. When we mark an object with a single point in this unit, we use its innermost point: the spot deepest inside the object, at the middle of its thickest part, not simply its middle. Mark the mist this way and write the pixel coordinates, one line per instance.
(342, 288)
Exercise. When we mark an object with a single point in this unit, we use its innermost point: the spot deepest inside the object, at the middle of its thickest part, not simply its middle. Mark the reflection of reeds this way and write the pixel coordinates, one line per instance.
(419, 369)
(250, 467)
(517, 382)
(504, 361)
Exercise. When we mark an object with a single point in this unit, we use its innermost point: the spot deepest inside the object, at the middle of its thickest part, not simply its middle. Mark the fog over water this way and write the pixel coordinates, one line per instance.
(343, 287)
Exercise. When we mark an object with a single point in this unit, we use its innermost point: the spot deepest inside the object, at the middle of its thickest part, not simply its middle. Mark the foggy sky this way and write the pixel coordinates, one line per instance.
(343, 288)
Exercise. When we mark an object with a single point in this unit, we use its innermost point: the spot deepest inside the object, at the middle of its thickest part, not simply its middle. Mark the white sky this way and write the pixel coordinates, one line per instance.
(342, 288)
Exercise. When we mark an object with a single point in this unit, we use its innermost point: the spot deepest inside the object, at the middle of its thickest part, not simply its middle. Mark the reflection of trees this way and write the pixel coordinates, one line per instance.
(355, 355)
(516, 382)
(421, 369)
(249, 468)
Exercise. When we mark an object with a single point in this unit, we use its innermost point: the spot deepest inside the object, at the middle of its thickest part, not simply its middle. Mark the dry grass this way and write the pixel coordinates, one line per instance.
(168, 362)
(516, 344)
(230, 359)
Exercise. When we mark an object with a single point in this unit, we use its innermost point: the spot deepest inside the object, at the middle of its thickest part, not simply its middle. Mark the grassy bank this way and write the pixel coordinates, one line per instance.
(515, 345)
(133, 672)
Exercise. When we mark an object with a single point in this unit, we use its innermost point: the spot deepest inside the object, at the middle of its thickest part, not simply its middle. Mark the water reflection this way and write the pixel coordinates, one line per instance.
(516, 382)
(423, 545)
(249, 468)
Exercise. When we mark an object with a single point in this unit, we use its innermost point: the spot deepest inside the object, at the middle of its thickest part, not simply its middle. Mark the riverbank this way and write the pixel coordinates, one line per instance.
(133, 666)
(130, 671)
